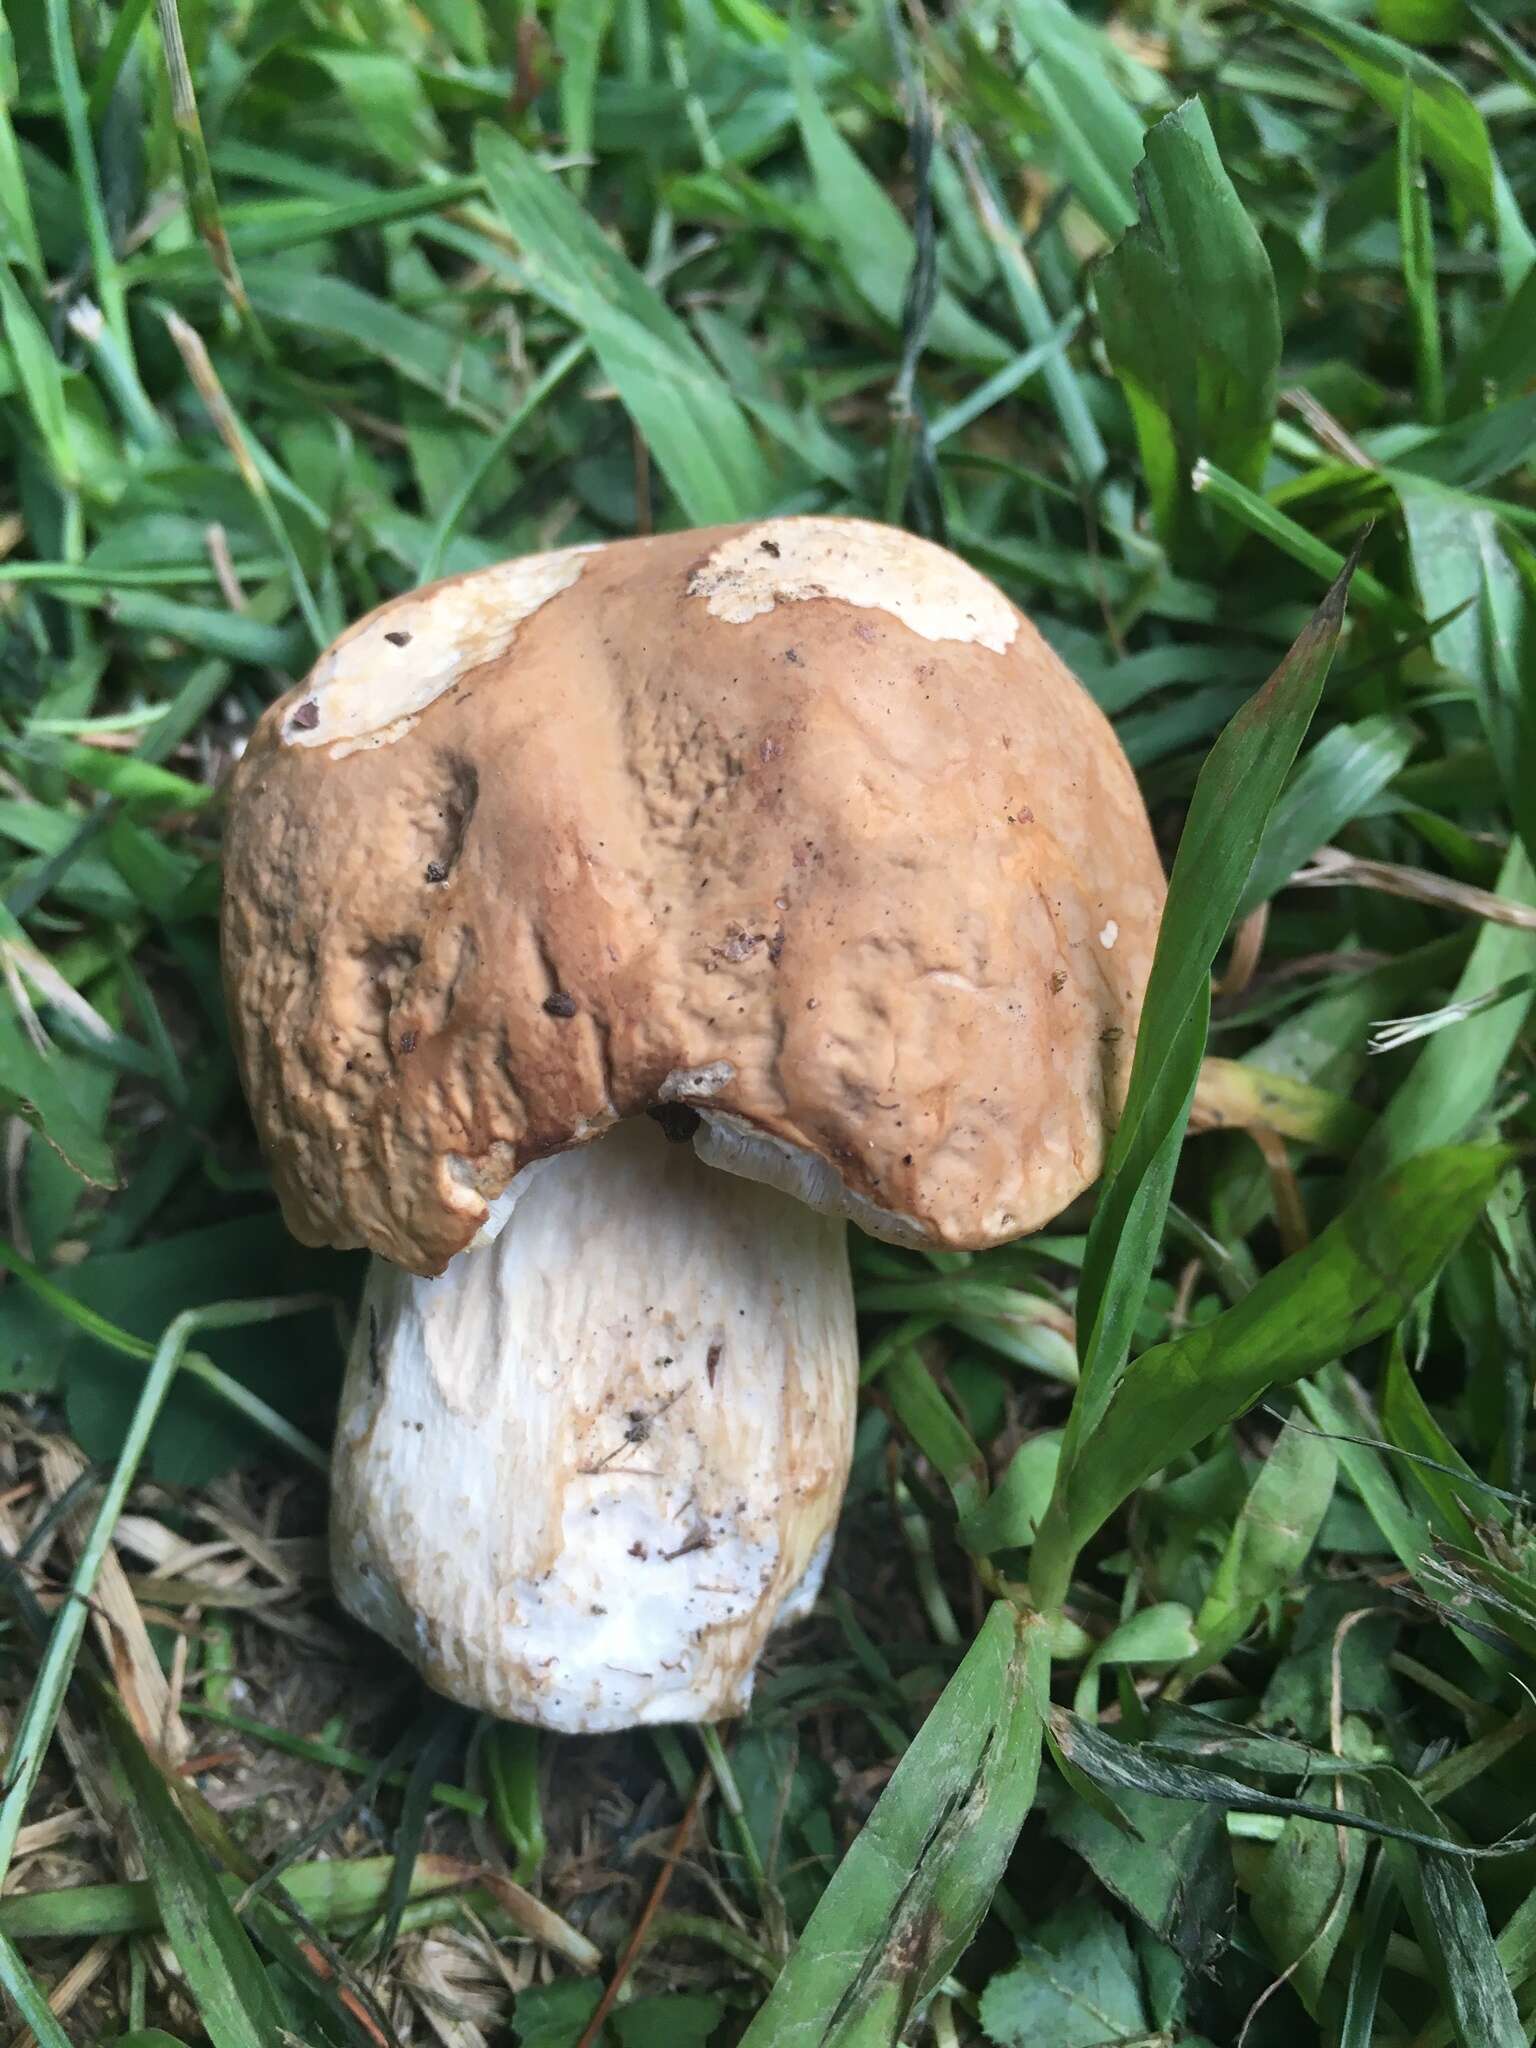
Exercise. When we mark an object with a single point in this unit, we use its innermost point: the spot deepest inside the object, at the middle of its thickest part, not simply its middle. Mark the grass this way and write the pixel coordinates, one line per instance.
(1173, 1679)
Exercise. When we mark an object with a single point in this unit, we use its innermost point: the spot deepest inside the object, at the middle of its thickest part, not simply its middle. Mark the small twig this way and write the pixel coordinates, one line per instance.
(636, 1942)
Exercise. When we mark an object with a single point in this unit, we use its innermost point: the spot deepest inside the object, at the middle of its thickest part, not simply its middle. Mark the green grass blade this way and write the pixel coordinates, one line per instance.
(21, 1988)
(1451, 1922)
(910, 1892)
(98, 234)
(434, 1752)
(1034, 315)
(16, 203)
(1339, 778)
(42, 379)
(235, 2000)
(1237, 789)
(197, 172)
(30, 1743)
(1097, 130)
(579, 29)
(1358, 1278)
(936, 1430)
(1270, 1539)
(686, 414)
(1191, 324)
(875, 244)
(1453, 133)
(1417, 235)
(458, 504)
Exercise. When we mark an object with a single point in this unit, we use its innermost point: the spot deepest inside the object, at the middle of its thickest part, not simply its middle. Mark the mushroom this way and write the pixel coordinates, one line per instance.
(603, 932)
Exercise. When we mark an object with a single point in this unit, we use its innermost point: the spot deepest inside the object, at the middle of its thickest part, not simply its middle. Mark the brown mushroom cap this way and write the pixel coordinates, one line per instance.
(800, 822)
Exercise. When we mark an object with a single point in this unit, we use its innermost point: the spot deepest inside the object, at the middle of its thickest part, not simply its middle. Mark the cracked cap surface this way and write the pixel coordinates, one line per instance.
(800, 822)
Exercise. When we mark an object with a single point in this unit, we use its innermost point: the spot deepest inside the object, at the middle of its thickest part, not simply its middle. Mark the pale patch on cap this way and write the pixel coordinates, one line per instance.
(791, 561)
(372, 685)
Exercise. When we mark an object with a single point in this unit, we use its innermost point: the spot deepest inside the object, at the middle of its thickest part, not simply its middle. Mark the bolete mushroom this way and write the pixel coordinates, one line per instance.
(796, 835)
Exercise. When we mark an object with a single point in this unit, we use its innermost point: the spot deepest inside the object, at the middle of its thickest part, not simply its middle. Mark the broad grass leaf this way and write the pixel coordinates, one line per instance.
(1008, 1517)
(224, 1974)
(17, 226)
(1242, 1094)
(908, 1896)
(673, 2019)
(1076, 1985)
(236, 635)
(1474, 453)
(1197, 1758)
(1334, 1404)
(1302, 1900)
(1452, 131)
(1270, 1539)
(1416, 236)
(1325, 1040)
(142, 784)
(1451, 1923)
(1160, 1634)
(1190, 320)
(1167, 1860)
(685, 412)
(1483, 583)
(1358, 1278)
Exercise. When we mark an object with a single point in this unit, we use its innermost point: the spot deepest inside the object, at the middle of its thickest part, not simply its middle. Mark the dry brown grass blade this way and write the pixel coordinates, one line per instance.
(1247, 950)
(1332, 868)
(1285, 1191)
(118, 1621)
(72, 1986)
(1231, 1095)
(528, 1914)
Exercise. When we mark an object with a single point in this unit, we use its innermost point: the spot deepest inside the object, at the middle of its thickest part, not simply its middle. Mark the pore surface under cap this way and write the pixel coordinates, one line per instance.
(801, 821)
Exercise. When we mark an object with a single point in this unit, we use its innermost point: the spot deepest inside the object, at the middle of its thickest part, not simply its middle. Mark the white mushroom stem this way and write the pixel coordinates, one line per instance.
(580, 1476)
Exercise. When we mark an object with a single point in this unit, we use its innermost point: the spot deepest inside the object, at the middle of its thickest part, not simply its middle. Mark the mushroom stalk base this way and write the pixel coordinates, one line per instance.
(580, 1476)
